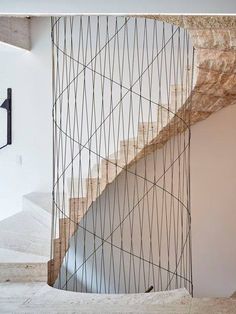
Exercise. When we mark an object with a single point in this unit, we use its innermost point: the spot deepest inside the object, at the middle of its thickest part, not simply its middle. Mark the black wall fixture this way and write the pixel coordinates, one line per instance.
(7, 104)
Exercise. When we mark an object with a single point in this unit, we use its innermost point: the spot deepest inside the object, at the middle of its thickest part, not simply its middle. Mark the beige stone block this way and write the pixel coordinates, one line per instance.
(232, 34)
(78, 207)
(53, 270)
(23, 272)
(59, 249)
(221, 38)
(128, 149)
(147, 131)
(219, 61)
(66, 228)
(178, 95)
(110, 168)
(95, 186)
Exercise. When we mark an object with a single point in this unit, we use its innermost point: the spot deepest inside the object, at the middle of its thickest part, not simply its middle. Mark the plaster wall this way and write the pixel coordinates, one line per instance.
(25, 166)
(213, 177)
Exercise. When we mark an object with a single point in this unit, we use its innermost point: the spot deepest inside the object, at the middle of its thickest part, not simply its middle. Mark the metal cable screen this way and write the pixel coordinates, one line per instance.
(121, 194)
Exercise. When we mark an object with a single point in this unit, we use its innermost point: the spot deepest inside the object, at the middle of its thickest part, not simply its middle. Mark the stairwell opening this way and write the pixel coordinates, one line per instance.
(121, 140)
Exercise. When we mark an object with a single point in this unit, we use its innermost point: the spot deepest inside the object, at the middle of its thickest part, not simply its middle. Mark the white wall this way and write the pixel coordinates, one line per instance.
(214, 204)
(25, 166)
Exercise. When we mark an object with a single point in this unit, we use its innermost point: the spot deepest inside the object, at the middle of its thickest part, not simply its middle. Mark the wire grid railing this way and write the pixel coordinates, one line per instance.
(121, 182)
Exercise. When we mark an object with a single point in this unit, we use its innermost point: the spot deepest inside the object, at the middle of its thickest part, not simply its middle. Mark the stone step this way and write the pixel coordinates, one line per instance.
(27, 232)
(59, 249)
(146, 132)
(53, 270)
(77, 208)
(163, 117)
(94, 187)
(23, 272)
(110, 168)
(37, 202)
(178, 96)
(66, 228)
(40, 298)
(128, 149)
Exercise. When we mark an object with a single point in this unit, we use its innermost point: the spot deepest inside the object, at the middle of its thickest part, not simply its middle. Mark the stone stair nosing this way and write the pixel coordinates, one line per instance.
(23, 272)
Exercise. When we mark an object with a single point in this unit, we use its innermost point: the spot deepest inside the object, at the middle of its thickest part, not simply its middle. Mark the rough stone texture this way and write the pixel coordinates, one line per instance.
(40, 298)
(233, 295)
(214, 39)
(196, 21)
(25, 241)
(23, 272)
(15, 231)
(213, 305)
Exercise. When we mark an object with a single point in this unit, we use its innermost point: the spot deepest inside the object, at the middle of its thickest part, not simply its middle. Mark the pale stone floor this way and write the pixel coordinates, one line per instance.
(40, 298)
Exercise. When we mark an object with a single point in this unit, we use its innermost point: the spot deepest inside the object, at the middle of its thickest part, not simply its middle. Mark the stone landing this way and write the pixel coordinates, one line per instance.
(23, 272)
(40, 298)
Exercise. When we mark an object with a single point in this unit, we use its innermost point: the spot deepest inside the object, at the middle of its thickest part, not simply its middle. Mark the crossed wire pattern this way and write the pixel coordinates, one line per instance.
(121, 155)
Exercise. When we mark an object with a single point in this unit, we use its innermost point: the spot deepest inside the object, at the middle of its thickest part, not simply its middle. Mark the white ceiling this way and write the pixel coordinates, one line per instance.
(54, 7)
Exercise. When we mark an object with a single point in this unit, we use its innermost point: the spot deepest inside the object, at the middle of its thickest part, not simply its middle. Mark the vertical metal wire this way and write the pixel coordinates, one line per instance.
(121, 153)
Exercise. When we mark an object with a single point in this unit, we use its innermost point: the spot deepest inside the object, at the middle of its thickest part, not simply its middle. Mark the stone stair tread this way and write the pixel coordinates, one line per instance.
(13, 256)
(23, 272)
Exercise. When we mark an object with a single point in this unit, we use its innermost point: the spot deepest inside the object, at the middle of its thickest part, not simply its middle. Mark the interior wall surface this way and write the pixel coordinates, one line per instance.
(26, 165)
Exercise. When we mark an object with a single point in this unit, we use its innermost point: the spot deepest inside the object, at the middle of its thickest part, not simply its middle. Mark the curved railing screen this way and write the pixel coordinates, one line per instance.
(121, 216)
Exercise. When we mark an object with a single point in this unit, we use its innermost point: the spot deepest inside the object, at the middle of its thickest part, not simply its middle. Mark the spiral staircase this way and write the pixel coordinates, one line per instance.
(107, 171)
(214, 42)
